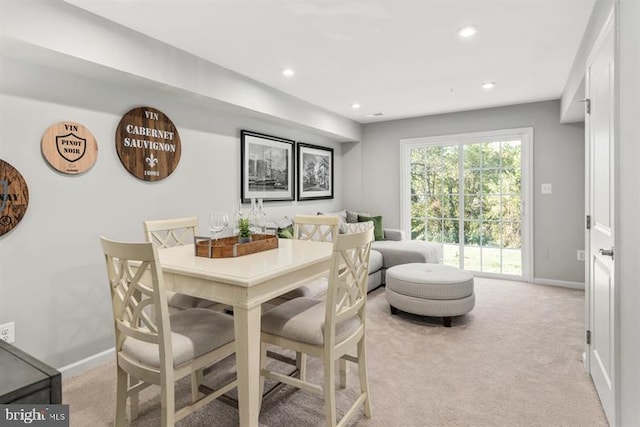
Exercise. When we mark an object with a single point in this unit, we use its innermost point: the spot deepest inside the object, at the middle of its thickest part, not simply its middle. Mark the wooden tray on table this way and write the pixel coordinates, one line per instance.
(228, 247)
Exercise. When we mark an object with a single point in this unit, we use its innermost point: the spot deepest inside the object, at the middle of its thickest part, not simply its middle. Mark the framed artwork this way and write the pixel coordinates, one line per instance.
(315, 172)
(267, 167)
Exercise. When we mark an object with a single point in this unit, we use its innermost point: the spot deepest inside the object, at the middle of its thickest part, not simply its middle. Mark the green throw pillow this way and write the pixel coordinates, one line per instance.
(378, 233)
(286, 233)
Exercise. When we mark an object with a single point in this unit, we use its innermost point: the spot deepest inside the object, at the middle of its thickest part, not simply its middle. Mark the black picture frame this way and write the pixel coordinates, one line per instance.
(315, 172)
(267, 167)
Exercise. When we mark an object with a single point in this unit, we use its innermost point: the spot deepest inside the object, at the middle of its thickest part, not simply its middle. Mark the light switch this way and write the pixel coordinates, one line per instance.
(546, 189)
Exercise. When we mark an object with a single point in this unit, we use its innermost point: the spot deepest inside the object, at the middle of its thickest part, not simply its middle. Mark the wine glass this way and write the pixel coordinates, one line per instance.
(218, 221)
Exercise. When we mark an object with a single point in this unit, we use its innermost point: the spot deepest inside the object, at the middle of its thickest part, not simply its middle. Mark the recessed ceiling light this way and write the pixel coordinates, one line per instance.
(488, 85)
(374, 115)
(467, 31)
(288, 72)
(355, 106)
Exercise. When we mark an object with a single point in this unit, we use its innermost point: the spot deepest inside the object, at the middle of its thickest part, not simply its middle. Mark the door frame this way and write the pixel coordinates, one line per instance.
(526, 134)
(608, 26)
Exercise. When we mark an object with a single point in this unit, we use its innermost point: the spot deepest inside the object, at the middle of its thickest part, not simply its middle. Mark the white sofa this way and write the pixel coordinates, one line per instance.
(393, 250)
(396, 250)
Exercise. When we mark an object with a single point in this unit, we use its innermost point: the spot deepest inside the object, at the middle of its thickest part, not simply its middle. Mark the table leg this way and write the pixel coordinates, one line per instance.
(247, 330)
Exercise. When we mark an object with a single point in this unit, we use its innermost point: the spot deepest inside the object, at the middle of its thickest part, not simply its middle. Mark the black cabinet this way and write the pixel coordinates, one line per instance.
(26, 380)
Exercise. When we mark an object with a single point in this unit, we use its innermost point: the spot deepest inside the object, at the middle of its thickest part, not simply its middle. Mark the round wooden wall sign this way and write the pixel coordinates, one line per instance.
(69, 147)
(148, 144)
(14, 197)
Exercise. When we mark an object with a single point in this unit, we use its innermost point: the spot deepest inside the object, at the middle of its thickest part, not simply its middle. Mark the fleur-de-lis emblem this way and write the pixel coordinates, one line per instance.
(151, 161)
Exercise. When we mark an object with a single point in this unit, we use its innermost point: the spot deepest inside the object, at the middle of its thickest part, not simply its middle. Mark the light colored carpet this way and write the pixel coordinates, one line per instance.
(515, 360)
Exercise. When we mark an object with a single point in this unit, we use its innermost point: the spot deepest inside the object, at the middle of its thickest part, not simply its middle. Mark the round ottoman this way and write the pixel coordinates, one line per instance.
(430, 290)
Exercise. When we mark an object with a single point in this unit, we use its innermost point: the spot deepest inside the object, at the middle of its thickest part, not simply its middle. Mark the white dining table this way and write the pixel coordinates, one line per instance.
(245, 282)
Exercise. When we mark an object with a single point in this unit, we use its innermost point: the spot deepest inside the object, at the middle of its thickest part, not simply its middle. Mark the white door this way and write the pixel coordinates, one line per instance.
(601, 304)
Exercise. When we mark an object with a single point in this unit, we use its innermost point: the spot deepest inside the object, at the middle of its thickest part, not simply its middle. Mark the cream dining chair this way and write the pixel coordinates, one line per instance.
(323, 228)
(320, 228)
(167, 233)
(153, 347)
(328, 328)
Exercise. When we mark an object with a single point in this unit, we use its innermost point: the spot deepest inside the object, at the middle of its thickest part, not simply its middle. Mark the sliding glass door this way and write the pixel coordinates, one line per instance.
(469, 192)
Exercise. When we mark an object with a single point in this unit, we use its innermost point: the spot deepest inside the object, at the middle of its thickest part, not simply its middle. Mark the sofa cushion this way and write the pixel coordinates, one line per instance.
(284, 228)
(342, 216)
(378, 231)
(286, 232)
(356, 227)
(375, 261)
(374, 280)
(353, 216)
(393, 234)
(406, 251)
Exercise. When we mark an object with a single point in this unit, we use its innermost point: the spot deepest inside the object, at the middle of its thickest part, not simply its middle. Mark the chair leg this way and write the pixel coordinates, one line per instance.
(167, 403)
(329, 387)
(122, 379)
(364, 379)
(196, 380)
(134, 400)
(343, 373)
(301, 364)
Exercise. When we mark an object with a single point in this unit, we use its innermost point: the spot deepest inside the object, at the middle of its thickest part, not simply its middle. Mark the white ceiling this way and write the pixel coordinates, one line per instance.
(399, 58)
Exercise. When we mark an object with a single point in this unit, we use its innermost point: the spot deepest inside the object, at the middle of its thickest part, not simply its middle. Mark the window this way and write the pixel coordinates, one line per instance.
(470, 192)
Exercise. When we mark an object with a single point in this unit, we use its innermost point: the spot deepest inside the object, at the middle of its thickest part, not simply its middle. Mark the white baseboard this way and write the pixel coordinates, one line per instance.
(559, 283)
(85, 364)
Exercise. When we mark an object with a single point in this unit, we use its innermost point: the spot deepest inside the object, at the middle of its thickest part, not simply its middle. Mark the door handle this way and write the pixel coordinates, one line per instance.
(606, 252)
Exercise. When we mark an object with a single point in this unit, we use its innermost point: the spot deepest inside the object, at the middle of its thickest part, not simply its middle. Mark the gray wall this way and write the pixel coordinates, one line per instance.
(558, 158)
(52, 274)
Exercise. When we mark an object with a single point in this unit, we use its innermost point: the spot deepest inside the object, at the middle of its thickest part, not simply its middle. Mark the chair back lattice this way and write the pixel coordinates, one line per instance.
(139, 306)
(347, 292)
(167, 233)
(321, 228)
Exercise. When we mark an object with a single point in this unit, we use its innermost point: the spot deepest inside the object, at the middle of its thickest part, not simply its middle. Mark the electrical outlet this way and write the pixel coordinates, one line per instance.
(580, 254)
(8, 332)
